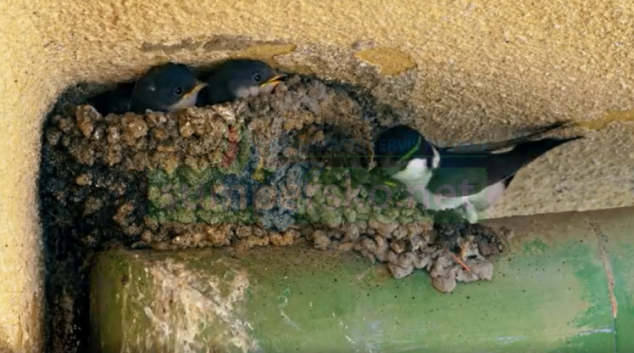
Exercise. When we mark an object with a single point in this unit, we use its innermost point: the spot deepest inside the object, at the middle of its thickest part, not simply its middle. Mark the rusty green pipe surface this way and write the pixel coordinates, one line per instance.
(557, 290)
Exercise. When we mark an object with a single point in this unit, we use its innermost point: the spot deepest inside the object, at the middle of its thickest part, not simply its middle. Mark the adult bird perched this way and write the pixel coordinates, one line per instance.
(444, 178)
(238, 78)
(164, 88)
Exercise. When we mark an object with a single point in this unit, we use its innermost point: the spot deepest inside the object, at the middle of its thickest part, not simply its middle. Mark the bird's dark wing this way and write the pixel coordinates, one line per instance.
(479, 170)
(462, 175)
(499, 145)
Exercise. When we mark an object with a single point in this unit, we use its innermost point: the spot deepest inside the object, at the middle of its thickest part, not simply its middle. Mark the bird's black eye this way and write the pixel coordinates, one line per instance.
(178, 91)
(257, 78)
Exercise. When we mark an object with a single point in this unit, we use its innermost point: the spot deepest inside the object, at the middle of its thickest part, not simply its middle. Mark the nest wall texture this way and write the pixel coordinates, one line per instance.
(463, 71)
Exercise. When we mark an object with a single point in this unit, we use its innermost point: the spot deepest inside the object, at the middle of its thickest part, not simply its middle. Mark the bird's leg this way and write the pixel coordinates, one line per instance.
(470, 212)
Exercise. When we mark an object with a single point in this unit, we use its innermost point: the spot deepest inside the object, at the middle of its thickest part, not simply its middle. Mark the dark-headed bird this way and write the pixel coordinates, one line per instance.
(468, 181)
(164, 88)
(238, 78)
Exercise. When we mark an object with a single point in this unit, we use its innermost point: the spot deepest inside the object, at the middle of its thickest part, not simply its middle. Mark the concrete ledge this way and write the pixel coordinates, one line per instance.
(557, 290)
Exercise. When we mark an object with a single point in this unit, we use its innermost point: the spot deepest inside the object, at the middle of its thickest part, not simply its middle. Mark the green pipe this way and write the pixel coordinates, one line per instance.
(558, 289)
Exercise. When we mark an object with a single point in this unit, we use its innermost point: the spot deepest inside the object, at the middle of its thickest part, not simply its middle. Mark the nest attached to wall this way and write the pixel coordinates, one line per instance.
(249, 173)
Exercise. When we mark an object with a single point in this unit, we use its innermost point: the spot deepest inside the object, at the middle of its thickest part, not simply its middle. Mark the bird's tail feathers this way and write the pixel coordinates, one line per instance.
(512, 142)
(548, 128)
(534, 149)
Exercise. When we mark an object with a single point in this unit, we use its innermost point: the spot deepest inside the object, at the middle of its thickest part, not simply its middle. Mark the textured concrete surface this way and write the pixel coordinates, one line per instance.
(461, 70)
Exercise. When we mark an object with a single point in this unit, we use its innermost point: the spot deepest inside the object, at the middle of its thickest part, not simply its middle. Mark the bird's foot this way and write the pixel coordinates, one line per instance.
(470, 212)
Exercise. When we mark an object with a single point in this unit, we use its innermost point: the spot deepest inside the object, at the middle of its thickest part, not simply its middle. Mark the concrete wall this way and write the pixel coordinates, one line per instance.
(480, 70)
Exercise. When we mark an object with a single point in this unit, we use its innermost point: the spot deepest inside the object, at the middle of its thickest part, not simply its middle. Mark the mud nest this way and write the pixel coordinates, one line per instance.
(269, 170)
(277, 170)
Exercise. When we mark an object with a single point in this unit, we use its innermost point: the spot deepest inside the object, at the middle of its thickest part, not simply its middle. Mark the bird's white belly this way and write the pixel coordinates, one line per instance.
(417, 176)
(187, 101)
(423, 196)
(481, 201)
(488, 196)
(246, 92)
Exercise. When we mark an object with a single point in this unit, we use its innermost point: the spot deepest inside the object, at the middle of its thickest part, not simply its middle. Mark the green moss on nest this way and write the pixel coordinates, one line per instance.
(342, 195)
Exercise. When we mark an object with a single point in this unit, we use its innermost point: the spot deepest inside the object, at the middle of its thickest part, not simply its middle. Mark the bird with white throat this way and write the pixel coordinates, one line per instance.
(468, 181)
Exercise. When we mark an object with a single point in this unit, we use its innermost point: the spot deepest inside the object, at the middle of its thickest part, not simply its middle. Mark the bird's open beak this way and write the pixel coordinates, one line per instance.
(274, 80)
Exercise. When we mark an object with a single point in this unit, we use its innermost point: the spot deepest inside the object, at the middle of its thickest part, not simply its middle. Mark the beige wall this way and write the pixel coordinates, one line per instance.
(477, 65)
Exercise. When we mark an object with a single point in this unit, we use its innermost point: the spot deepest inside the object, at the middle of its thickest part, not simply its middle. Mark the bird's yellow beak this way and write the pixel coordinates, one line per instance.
(188, 99)
(274, 80)
(199, 85)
